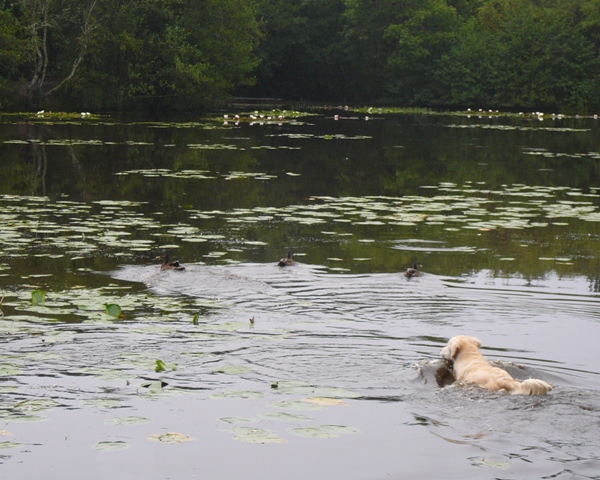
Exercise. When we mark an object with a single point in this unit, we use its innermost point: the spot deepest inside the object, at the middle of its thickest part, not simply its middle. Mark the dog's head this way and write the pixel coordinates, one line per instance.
(458, 343)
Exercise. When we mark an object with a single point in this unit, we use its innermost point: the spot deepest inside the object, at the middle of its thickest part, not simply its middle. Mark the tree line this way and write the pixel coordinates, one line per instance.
(182, 54)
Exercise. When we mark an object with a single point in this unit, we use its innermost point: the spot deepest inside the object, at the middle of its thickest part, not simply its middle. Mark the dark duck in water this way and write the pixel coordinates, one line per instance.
(414, 271)
(288, 261)
(167, 265)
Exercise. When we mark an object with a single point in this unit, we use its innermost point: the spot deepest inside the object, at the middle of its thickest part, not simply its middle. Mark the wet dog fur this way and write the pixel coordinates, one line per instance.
(470, 365)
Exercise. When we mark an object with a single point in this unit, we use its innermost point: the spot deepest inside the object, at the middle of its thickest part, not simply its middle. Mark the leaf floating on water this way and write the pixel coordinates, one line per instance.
(114, 310)
(7, 445)
(7, 370)
(58, 337)
(195, 319)
(256, 435)
(238, 420)
(111, 446)
(171, 437)
(36, 405)
(298, 405)
(285, 417)
(325, 431)
(245, 394)
(233, 369)
(125, 421)
(154, 387)
(489, 463)
(104, 402)
(15, 418)
(325, 401)
(38, 297)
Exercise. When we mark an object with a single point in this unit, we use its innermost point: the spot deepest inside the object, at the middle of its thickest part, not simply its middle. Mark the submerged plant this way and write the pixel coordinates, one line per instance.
(38, 297)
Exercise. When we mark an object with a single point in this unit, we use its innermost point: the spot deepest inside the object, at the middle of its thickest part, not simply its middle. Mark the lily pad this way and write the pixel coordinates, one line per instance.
(16, 418)
(299, 405)
(324, 431)
(246, 394)
(325, 401)
(111, 446)
(36, 405)
(256, 435)
(38, 297)
(9, 445)
(126, 421)
(171, 437)
(490, 463)
(233, 369)
(238, 420)
(114, 310)
(8, 370)
(285, 417)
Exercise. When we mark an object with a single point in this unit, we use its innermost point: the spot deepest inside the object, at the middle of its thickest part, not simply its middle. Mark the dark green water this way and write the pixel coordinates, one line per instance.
(336, 376)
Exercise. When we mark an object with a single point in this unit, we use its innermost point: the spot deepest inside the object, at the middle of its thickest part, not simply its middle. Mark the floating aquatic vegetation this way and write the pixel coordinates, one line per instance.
(111, 446)
(395, 110)
(104, 403)
(300, 405)
(298, 387)
(255, 435)
(171, 437)
(8, 445)
(233, 369)
(285, 417)
(517, 127)
(216, 146)
(491, 463)
(114, 310)
(256, 175)
(154, 387)
(238, 420)
(324, 431)
(274, 116)
(325, 401)
(160, 366)
(22, 418)
(38, 297)
(245, 394)
(35, 405)
(340, 136)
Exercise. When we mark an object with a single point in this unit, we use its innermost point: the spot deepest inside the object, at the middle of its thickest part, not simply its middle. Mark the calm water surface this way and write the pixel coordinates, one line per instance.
(339, 374)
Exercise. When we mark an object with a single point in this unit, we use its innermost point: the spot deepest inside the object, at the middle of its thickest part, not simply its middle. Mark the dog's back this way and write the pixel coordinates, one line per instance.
(471, 366)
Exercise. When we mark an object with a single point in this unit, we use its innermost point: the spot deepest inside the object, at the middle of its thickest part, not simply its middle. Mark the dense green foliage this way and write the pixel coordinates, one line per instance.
(166, 54)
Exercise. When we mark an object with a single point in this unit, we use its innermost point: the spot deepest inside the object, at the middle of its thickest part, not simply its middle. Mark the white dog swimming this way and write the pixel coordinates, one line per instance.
(471, 366)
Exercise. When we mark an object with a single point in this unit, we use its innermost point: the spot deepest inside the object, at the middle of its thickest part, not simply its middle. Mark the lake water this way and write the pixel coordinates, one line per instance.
(235, 367)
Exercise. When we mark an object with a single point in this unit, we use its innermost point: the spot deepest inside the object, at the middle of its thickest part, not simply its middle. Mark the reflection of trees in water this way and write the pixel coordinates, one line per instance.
(40, 167)
(595, 283)
(79, 175)
(36, 176)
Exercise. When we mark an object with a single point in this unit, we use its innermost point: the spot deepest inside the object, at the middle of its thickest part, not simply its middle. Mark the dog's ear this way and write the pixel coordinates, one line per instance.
(453, 348)
(450, 351)
(477, 342)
